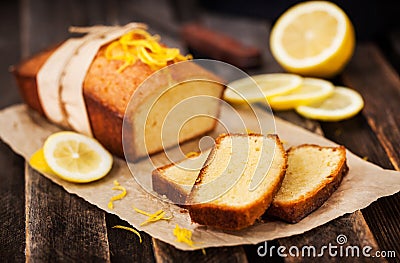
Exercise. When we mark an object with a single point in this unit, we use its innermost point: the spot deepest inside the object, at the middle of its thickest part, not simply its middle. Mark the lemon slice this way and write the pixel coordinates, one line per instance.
(314, 38)
(311, 91)
(259, 87)
(76, 158)
(344, 103)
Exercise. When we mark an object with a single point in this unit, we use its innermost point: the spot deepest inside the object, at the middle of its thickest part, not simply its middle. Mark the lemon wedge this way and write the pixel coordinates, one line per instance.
(76, 158)
(312, 90)
(344, 103)
(259, 87)
(314, 38)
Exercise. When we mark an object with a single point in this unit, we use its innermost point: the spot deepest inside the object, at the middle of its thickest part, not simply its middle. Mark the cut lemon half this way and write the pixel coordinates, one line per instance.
(314, 38)
(259, 87)
(76, 158)
(311, 91)
(344, 103)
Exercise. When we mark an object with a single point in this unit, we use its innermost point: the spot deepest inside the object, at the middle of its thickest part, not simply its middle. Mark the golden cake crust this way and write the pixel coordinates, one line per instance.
(235, 218)
(293, 212)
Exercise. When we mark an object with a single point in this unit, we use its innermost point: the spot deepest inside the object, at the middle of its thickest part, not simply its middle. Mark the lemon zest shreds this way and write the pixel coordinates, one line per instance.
(141, 45)
(117, 186)
(159, 215)
(183, 235)
(129, 229)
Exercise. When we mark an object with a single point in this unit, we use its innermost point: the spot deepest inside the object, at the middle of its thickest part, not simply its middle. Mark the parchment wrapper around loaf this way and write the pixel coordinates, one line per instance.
(60, 79)
(364, 184)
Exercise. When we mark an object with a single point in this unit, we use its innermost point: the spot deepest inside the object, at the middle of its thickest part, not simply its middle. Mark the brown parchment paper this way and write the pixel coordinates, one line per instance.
(25, 132)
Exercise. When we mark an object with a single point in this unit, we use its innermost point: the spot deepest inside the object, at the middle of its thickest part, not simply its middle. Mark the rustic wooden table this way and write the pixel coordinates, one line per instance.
(39, 221)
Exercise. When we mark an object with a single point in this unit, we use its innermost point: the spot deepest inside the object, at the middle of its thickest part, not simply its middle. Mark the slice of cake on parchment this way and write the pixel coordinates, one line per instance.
(238, 181)
(313, 174)
(176, 180)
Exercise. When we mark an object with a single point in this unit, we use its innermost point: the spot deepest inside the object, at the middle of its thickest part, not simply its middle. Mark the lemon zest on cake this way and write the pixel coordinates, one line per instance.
(129, 229)
(117, 186)
(191, 154)
(159, 215)
(141, 45)
(249, 131)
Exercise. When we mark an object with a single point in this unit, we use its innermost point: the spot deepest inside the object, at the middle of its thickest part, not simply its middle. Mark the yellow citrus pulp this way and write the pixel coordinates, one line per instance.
(344, 103)
(261, 87)
(315, 38)
(312, 90)
(73, 157)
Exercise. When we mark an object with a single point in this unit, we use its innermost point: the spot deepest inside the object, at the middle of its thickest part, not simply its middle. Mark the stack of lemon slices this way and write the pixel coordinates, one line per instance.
(311, 97)
(73, 157)
(314, 39)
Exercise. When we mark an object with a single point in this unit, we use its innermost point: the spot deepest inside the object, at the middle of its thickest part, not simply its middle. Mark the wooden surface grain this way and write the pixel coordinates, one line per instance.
(370, 74)
(59, 224)
(41, 222)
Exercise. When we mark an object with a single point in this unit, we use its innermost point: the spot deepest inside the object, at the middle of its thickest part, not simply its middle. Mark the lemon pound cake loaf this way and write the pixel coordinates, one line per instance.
(313, 174)
(86, 84)
(238, 182)
(176, 180)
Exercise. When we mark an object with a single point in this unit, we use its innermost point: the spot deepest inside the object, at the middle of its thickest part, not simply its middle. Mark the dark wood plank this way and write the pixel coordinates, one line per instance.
(12, 205)
(379, 84)
(167, 253)
(61, 226)
(9, 50)
(383, 215)
(370, 74)
(45, 23)
(125, 246)
(351, 228)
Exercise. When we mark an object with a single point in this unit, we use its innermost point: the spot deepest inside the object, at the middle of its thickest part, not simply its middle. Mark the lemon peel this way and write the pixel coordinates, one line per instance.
(117, 186)
(76, 157)
(183, 235)
(38, 162)
(312, 90)
(342, 104)
(159, 215)
(130, 229)
(257, 88)
(141, 45)
(314, 38)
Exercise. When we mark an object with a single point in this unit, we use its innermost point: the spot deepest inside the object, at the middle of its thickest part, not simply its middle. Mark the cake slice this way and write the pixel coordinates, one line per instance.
(176, 180)
(313, 174)
(238, 182)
